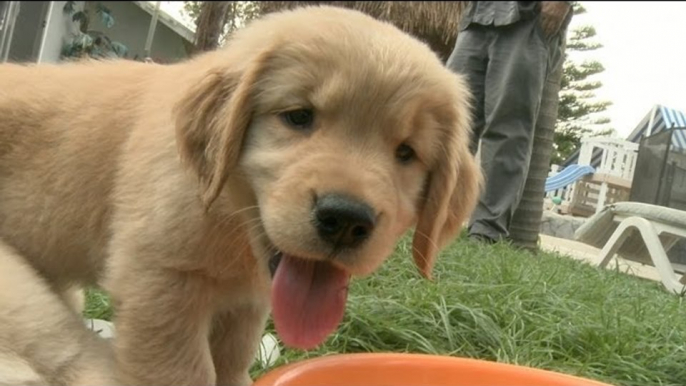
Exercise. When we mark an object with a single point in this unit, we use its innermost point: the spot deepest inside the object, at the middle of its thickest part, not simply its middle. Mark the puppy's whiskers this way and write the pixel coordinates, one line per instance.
(229, 217)
(248, 226)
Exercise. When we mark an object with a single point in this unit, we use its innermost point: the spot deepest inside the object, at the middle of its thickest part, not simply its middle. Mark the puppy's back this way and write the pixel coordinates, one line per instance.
(62, 127)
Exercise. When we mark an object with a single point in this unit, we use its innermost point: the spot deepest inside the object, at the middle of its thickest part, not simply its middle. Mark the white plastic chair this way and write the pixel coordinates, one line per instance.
(639, 232)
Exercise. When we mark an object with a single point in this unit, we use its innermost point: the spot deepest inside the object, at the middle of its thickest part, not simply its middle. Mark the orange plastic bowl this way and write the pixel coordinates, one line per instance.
(382, 369)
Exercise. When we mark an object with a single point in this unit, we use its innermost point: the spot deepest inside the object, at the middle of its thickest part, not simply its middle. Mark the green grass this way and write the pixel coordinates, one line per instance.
(97, 305)
(500, 304)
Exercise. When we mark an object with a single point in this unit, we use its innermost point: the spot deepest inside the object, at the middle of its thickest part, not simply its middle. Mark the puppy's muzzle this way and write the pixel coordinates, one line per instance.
(343, 221)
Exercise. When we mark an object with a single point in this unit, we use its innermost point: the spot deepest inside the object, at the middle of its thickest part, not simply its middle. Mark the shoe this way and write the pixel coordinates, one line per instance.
(481, 239)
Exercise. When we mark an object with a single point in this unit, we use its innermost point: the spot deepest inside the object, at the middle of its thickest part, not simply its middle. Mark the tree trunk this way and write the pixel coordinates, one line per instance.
(526, 222)
(211, 22)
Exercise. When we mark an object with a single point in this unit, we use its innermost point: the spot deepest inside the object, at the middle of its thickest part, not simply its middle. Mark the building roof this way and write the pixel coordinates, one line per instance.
(658, 119)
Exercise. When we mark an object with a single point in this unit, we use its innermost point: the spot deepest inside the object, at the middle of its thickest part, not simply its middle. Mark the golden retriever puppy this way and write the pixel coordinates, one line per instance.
(309, 144)
(42, 341)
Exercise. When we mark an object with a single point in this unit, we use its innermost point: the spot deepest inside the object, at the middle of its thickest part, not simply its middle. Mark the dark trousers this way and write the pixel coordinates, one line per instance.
(506, 68)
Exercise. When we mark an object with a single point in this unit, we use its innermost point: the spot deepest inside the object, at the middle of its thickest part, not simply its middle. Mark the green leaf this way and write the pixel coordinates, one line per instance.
(67, 50)
(69, 7)
(105, 15)
(120, 49)
(84, 41)
(79, 17)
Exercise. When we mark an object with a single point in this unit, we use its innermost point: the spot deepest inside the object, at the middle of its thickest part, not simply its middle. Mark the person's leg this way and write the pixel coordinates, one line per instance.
(470, 59)
(513, 85)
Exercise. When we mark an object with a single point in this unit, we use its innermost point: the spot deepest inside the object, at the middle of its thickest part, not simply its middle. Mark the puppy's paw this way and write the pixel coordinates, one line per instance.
(75, 297)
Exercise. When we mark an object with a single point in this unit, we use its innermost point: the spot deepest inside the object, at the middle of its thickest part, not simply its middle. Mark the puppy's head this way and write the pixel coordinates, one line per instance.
(348, 132)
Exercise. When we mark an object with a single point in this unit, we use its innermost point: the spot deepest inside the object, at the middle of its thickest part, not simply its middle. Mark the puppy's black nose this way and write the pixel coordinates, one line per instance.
(342, 220)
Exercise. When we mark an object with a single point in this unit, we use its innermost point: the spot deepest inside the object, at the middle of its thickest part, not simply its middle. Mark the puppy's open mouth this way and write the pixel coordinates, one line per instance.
(308, 299)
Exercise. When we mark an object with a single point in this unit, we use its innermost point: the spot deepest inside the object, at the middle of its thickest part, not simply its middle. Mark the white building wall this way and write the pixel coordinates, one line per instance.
(131, 24)
(58, 30)
(130, 28)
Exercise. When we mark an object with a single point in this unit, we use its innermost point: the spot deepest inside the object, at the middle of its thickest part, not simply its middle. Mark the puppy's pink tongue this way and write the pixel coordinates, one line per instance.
(308, 300)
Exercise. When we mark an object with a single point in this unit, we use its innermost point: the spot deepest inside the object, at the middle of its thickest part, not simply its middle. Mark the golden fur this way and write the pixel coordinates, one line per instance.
(42, 341)
(171, 186)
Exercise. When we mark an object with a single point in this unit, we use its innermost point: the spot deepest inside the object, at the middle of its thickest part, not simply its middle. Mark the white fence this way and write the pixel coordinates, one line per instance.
(615, 172)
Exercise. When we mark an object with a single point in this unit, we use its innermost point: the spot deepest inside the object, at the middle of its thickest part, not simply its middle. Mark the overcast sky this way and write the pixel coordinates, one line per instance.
(644, 54)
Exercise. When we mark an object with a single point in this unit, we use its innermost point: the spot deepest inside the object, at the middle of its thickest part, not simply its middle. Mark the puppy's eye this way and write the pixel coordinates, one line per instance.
(301, 119)
(404, 153)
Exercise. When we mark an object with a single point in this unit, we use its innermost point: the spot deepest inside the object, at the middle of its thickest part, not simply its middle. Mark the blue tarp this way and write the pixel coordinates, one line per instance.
(567, 176)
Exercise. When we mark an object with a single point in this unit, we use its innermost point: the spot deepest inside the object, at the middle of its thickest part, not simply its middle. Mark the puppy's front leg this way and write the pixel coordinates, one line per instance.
(162, 323)
(235, 338)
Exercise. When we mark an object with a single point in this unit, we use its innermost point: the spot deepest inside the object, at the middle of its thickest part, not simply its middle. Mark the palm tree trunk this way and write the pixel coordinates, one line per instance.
(526, 222)
(211, 22)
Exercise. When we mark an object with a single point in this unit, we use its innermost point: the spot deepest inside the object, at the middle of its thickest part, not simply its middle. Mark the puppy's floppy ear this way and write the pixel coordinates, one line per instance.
(452, 190)
(211, 122)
